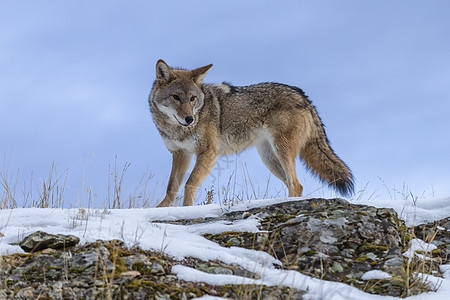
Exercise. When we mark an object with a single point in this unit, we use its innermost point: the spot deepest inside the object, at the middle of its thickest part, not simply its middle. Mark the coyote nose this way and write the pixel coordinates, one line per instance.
(189, 120)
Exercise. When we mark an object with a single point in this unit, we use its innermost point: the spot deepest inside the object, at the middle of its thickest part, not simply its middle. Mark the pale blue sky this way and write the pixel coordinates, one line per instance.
(75, 77)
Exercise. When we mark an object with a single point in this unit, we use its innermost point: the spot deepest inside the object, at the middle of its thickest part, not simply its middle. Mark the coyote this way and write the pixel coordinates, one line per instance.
(209, 120)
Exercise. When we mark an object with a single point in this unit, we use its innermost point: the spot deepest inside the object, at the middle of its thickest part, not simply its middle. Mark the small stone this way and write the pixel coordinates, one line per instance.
(234, 241)
(131, 274)
(138, 259)
(80, 283)
(157, 269)
(322, 255)
(395, 261)
(99, 283)
(160, 296)
(323, 214)
(372, 256)
(224, 271)
(171, 278)
(336, 267)
(40, 240)
(303, 249)
(191, 295)
(48, 251)
(296, 220)
(26, 293)
(337, 213)
(348, 252)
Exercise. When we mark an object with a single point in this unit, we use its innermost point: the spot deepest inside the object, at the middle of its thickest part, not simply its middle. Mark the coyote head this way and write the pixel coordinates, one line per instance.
(178, 93)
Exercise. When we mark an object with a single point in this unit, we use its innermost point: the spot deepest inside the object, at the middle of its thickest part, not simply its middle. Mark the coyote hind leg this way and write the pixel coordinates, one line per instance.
(270, 160)
(287, 151)
(282, 166)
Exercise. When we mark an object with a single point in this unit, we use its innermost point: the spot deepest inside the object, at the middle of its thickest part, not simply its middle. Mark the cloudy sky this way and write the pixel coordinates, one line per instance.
(75, 77)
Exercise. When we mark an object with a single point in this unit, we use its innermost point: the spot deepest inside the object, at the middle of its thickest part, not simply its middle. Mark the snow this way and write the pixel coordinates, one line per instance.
(416, 212)
(140, 227)
(445, 269)
(418, 245)
(375, 274)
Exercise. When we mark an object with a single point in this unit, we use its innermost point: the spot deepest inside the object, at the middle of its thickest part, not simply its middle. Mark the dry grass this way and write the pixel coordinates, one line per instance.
(8, 184)
(49, 191)
(422, 264)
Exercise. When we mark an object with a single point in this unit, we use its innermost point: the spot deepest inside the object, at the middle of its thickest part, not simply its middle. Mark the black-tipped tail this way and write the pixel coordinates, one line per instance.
(323, 162)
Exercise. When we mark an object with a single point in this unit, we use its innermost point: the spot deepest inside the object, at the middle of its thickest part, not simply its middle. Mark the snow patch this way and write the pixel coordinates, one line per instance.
(375, 274)
(419, 245)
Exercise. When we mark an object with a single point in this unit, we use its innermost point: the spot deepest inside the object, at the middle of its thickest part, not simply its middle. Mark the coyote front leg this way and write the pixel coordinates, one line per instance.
(180, 163)
(203, 166)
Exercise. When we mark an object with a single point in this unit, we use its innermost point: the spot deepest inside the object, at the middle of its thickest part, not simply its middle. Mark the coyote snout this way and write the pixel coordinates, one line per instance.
(186, 122)
(184, 113)
(210, 120)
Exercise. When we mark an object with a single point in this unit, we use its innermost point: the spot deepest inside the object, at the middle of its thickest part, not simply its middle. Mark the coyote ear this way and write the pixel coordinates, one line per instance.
(198, 75)
(164, 73)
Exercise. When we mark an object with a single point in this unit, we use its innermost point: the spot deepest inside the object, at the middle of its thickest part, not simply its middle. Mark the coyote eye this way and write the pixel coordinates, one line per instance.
(193, 98)
(176, 97)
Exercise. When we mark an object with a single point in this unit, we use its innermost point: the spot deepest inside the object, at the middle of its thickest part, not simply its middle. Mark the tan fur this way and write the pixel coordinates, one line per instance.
(211, 120)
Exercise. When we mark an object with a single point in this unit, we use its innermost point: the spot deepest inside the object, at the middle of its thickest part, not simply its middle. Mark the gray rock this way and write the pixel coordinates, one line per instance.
(336, 267)
(157, 269)
(224, 271)
(324, 237)
(395, 261)
(138, 259)
(40, 240)
(235, 241)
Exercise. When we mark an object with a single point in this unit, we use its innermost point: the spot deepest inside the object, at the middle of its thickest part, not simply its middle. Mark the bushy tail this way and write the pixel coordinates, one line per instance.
(320, 158)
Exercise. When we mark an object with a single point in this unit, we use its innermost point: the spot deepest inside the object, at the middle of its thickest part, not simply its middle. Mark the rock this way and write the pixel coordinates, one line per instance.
(40, 240)
(131, 274)
(157, 269)
(27, 293)
(144, 265)
(213, 269)
(136, 260)
(324, 238)
(336, 267)
(92, 261)
(395, 261)
(330, 239)
(234, 241)
(224, 271)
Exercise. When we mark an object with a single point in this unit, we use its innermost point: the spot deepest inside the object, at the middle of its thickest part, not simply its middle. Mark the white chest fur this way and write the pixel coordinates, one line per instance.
(187, 144)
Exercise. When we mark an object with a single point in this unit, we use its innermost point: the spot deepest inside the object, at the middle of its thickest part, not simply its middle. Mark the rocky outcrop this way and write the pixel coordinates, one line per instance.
(108, 270)
(329, 239)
